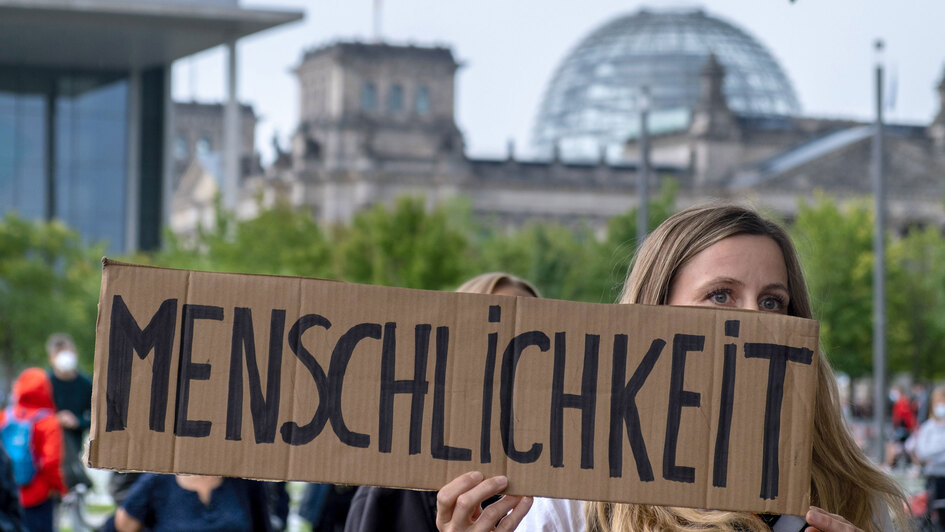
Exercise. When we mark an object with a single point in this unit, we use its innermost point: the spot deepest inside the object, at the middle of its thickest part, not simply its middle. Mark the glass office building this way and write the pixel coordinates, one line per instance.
(64, 150)
(85, 107)
(594, 97)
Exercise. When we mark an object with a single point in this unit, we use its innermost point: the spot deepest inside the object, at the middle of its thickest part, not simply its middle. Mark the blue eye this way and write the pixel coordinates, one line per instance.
(772, 304)
(719, 297)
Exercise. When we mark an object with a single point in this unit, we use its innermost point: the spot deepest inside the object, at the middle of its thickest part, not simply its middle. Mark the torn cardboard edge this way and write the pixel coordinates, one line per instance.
(288, 378)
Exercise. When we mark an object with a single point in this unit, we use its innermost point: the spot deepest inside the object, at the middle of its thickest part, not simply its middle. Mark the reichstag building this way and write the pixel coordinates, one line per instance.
(377, 121)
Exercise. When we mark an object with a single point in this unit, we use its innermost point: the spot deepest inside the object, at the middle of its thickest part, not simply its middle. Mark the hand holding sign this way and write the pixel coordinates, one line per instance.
(825, 521)
(459, 505)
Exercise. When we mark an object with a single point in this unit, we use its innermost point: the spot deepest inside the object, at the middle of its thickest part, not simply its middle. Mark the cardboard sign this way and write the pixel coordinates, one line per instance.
(299, 379)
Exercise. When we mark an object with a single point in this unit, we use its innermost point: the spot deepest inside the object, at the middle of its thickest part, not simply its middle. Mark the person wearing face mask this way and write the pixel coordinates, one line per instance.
(72, 395)
(930, 450)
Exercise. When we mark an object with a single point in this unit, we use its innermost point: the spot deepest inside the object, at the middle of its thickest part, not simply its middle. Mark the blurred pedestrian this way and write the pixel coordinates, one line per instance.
(72, 395)
(930, 450)
(384, 509)
(33, 439)
(920, 401)
(11, 513)
(903, 414)
(195, 503)
(278, 505)
(326, 506)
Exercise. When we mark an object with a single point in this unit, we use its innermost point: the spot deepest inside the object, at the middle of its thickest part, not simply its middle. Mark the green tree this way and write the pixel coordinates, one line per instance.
(49, 281)
(835, 245)
(280, 241)
(620, 244)
(558, 260)
(916, 302)
(405, 245)
(569, 263)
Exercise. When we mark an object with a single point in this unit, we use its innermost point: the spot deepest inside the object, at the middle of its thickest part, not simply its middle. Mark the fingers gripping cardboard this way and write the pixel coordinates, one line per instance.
(301, 379)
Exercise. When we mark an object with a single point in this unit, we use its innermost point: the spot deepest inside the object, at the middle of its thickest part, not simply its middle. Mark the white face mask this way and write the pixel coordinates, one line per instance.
(939, 411)
(65, 361)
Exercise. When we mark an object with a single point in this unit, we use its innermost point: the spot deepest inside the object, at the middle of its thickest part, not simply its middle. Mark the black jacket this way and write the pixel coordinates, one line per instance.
(384, 509)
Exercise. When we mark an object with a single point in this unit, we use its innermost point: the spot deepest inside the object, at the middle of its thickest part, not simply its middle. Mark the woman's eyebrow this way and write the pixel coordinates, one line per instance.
(721, 281)
(776, 286)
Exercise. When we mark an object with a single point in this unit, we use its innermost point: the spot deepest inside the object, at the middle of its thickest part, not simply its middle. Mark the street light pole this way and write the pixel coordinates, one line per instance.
(879, 266)
(643, 188)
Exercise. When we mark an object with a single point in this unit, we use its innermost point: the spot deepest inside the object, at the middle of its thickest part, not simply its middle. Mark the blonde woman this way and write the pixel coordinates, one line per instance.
(728, 257)
(500, 284)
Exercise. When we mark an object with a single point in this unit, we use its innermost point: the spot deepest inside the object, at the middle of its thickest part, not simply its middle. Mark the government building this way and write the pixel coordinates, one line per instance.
(376, 121)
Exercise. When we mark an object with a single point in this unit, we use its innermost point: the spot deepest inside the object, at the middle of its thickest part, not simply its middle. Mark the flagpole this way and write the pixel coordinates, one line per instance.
(879, 266)
(643, 170)
(377, 20)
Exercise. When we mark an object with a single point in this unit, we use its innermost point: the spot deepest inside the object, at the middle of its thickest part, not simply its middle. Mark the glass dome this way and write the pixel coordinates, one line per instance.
(593, 98)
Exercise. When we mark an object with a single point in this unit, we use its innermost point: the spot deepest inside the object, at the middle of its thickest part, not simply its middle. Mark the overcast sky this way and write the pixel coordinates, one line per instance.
(510, 48)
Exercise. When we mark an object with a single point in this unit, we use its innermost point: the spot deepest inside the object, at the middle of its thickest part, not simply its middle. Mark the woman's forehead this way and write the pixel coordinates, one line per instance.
(746, 257)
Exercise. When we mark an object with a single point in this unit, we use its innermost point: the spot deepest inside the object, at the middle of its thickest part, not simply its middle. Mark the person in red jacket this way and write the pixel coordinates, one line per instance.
(32, 393)
(903, 413)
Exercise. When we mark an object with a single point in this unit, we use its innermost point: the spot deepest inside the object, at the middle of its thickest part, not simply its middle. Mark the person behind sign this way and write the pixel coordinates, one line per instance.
(193, 502)
(728, 257)
(384, 509)
(930, 450)
(72, 394)
(36, 451)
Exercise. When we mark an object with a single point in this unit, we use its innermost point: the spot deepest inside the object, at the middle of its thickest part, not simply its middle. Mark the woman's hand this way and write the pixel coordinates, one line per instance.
(459, 505)
(824, 521)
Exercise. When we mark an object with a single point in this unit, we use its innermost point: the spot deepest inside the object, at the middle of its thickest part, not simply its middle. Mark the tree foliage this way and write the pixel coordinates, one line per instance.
(836, 247)
(916, 301)
(835, 244)
(280, 241)
(49, 282)
(405, 245)
(49, 278)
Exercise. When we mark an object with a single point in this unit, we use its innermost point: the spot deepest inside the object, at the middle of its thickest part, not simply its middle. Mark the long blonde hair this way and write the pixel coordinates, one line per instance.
(488, 283)
(843, 480)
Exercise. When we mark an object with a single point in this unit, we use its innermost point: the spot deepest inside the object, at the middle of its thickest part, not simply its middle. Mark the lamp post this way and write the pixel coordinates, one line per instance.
(643, 188)
(879, 265)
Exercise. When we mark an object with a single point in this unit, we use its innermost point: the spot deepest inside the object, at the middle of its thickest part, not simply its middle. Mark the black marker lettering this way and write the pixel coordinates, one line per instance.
(125, 338)
(292, 433)
(779, 356)
(679, 398)
(417, 386)
(265, 410)
(623, 408)
(438, 448)
(485, 443)
(726, 404)
(513, 352)
(340, 356)
(586, 402)
(189, 370)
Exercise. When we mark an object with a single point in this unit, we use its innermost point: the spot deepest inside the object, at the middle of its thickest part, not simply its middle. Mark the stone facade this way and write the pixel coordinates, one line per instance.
(377, 121)
(198, 131)
(775, 162)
